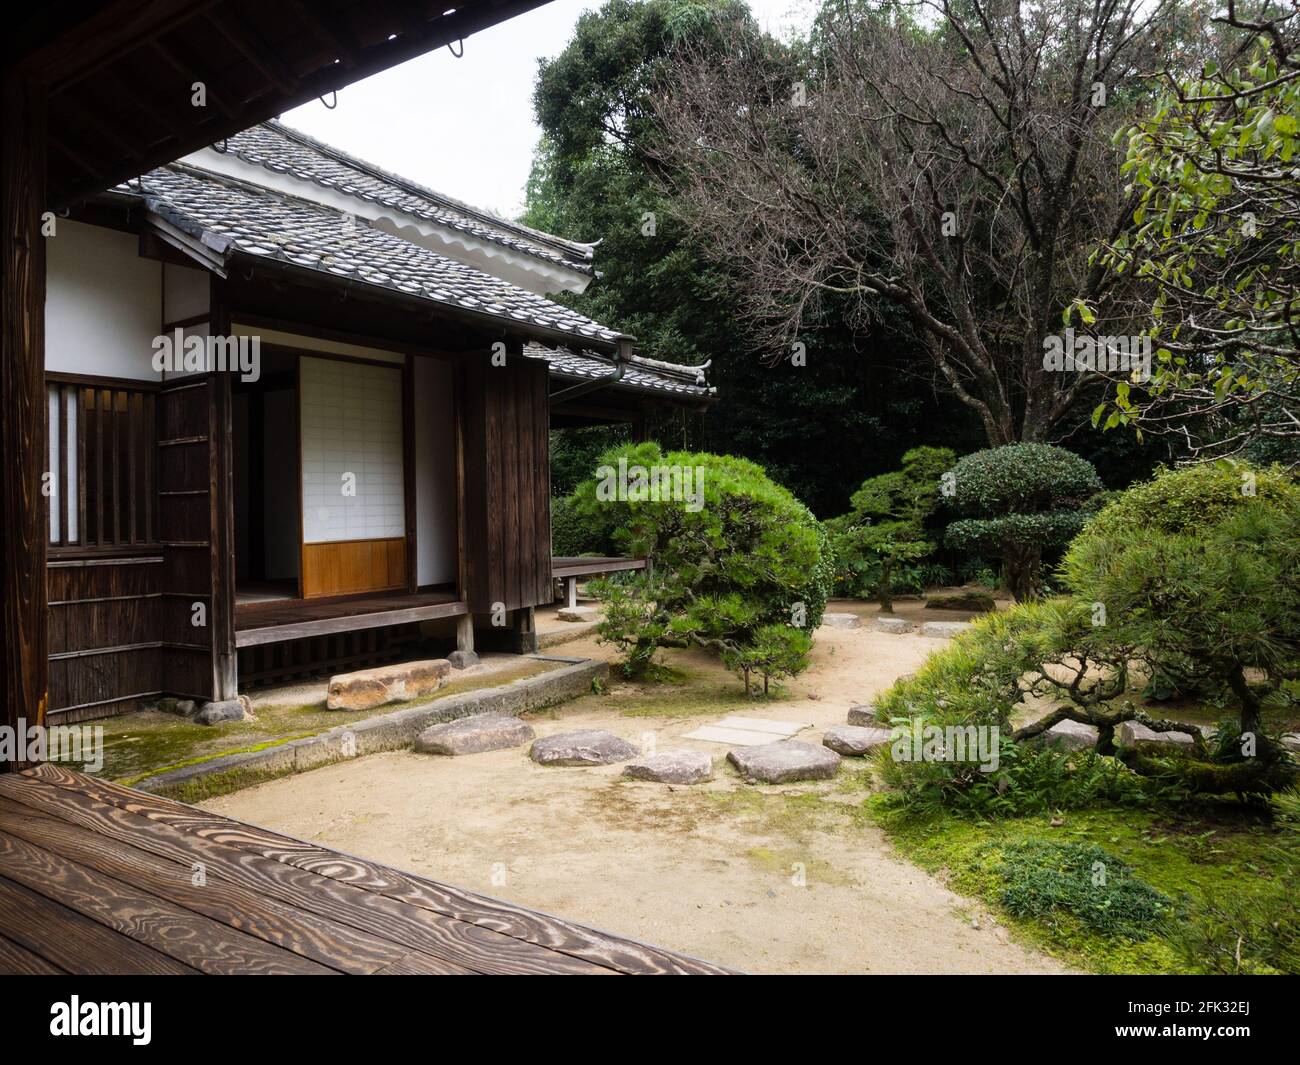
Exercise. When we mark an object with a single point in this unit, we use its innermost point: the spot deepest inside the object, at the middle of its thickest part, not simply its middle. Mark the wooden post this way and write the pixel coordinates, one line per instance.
(465, 632)
(24, 626)
(570, 592)
(225, 660)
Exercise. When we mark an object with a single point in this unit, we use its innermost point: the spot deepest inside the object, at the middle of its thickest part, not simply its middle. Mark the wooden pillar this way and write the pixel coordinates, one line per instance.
(225, 669)
(571, 592)
(465, 632)
(24, 626)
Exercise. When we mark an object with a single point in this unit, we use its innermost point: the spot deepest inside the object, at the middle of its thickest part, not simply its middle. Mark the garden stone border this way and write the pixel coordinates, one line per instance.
(398, 729)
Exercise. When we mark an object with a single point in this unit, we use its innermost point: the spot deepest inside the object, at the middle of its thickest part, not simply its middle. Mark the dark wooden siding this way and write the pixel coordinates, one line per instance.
(506, 468)
(104, 650)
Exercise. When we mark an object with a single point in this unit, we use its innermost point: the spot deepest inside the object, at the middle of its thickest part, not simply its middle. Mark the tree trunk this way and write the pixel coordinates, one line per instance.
(1020, 566)
(885, 588)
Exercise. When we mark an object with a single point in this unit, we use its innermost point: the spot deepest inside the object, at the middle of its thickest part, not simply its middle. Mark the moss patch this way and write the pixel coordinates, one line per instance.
(142, 744)
(1223, 852)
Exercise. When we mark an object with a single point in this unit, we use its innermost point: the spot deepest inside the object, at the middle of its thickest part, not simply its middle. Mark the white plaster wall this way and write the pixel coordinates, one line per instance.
(103, 303)
(435, 473)
(187, 292)
(351, 424)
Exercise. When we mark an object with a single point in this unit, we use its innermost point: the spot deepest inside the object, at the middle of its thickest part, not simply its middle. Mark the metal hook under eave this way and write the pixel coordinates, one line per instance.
(330, 107)
(453, 51)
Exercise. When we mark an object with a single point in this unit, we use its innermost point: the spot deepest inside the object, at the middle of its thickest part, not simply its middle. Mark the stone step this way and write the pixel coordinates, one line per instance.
(582, 747)
(386, 684)
(672, 767)
(474, 735)
(784, 761)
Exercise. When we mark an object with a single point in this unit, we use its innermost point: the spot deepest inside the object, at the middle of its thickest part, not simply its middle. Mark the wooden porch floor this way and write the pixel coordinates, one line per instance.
(277, 620)
(96, 878)
(585, 566)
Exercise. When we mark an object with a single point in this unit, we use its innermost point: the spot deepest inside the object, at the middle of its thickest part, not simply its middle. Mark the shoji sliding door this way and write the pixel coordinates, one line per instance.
(353, 498)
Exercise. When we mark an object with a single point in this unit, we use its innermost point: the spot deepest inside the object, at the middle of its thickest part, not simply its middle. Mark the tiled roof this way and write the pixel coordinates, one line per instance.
(266, 223)
(282, 150)
(642, 374)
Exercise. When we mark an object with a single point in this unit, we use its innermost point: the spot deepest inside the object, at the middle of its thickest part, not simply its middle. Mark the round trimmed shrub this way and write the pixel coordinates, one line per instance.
(1018, 501)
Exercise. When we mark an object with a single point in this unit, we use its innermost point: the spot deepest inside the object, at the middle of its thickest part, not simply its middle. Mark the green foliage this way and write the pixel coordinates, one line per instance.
(1019, 500)
(886, 526)
(1216, 249)
(743, 560)
(573, 533)
(775, 651)
(1228, 937)
(1201, 578)
(1045, 879)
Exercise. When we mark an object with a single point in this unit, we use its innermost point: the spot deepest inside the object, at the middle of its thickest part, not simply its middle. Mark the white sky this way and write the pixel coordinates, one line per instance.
(464, 127)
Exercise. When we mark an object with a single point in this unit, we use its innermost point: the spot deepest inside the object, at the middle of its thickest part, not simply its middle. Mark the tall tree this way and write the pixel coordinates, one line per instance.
(595, 176)
(959, 168)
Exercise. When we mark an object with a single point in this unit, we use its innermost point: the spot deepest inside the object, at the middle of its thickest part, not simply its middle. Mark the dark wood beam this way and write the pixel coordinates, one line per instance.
(24, 641)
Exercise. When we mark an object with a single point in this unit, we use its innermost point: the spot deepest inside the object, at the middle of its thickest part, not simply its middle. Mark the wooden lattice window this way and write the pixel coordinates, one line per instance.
(100, 473)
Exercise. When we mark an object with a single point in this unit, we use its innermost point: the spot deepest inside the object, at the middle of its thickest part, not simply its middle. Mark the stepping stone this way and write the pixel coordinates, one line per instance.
(578, 613)
(386, 684)
(944, 630)
(463, 659)
(746, 731)
(1134, 732)
(216, 712)
(473, 735)
(785, 761)
(672, 767)
(842, 621)
(896, 626)
(854, 739)
(864, 716)
(1069, 736)
(583, 747)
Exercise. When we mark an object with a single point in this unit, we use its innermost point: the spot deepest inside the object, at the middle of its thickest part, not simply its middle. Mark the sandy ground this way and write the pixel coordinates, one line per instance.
(764, 879)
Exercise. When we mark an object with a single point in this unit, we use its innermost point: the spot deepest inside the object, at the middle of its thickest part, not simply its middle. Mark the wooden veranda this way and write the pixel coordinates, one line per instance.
(96, 878)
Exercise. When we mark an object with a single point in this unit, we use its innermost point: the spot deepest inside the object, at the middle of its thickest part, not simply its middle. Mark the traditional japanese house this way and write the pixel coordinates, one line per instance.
(297, 421)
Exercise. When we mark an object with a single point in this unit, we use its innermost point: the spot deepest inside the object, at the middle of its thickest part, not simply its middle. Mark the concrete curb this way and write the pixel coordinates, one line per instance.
(395, 730)
(572, 631)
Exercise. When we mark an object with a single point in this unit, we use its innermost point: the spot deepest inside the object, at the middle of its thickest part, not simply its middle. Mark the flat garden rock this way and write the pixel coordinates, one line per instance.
(1069, 736)
(386, 684)
(672, 767)
(896, 626)
(225, 710)
(578, 613)
(1291, 741)
(975, 602)
(944, 630)
(1133, 732)
(473, 735)
(863, 715)
(855, 739)
(842, 621)
(583, 747)
(784, 761)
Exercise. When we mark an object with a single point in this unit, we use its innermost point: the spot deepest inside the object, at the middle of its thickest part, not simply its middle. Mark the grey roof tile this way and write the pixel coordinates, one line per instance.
(282, 150)
(267, 223)
(648, 375)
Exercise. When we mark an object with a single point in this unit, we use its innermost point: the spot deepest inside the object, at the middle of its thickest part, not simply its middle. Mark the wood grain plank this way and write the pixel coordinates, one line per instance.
(330, 943)
(541, 930)
(190, 938)
(75, 943)
(184, 834)
(16, 960)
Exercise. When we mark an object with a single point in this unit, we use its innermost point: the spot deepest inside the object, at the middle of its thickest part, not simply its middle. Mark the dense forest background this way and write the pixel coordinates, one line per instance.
(865, 396)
